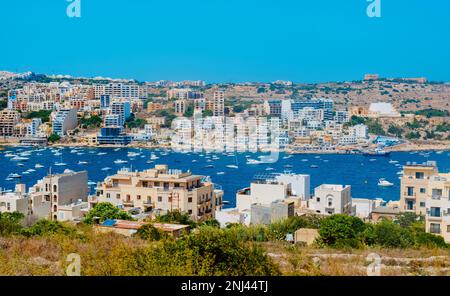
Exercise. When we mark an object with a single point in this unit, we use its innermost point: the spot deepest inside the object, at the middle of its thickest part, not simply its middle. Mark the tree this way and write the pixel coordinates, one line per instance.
(189, 111)
(341, 231)
(44, 115)
(91, 122)
(150, 232)
(207, 113)
(407, 219)
(10, 223)
(395, 130)
(46, 227)
(177, 217)
(54, 138)
(387, 234)
(105, 211)
(211, 222)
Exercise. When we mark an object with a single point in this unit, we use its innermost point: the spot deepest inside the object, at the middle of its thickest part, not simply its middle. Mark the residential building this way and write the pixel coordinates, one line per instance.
(61, 192)
(274, 212)
(300, 184)
(105, 101)
(180, 107)
(113, 136)
(122, 109)
(118, 91)
(331, 199)
(426, 191)
(63, 121)
(219, 103)
(158, 191)
(17, 201)
(415, 186)
(8, 120)
(112, 120)
(273, 107)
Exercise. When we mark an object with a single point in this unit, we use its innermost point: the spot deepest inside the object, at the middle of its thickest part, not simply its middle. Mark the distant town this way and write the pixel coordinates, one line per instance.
(373, 114)
(375, 117)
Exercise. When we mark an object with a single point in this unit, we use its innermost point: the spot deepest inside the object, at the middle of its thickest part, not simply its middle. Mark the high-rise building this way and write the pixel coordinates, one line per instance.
(219, 103)
(105, 101)
(64, 120)
(8, 120)
(122, 109)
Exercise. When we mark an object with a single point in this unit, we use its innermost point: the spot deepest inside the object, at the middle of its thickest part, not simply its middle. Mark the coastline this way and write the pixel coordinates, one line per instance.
(410, 147)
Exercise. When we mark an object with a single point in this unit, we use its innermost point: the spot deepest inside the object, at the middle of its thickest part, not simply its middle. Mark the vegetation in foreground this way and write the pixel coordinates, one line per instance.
(341, 249)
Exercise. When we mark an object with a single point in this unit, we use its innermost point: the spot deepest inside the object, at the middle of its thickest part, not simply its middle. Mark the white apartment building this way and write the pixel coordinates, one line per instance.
(118, 91)
(331, 199)
(61, 192)
(300, 184)
(63, 121)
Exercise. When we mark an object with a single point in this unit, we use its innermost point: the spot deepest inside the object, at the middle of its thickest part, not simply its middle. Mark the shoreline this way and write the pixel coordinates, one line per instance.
(399, 148)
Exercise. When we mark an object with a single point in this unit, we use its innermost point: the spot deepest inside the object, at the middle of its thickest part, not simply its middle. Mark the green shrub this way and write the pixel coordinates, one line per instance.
(341, 231)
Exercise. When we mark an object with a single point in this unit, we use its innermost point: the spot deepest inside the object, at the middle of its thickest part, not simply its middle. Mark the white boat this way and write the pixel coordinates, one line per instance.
(314, 166)
(57, 154)
(117, 149)
(106, 169)
(154, 157)
(393, 161)
(19, 158)
(253, 161)
(194, 160)
(150, 161)
(287, 157)
(384, 183)
(269, 169)
(60, 164)
(31, 170)
(304, 160)
(10, 155)
(38, 166)
(232, 166)
(25, 173)
(67, 171)
(90, 183)
(120, 161)
(101, 153)
(82, 162)
(14, 176)
(221, 173)
(133, 154)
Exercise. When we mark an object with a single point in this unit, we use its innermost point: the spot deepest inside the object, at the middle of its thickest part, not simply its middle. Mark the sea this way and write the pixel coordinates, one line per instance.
(229, 171)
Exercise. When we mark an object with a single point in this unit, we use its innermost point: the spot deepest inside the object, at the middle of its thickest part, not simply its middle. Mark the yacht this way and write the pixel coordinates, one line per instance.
(60, 164)
(106, 169)
(82, 162)
(133, 154)
(314, 166)
(101, 153)
(154, 157)
(209, 166)
(38, 166)
(10, 155)
(14, 176)
(384, 183)
(221, 173)
(232, 166)
(120, 161)
(19, 158)
(253, 161)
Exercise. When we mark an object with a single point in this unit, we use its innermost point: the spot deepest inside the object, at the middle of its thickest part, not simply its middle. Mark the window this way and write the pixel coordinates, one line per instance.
(318, 199)
(55, 188)
(420, 175)
(118, 196)
(159, 198)
(410, 191)
(177, 185)
(435, 212)
(108, 195)
(190, 212)
(145, 184)
(423, 190)
(448, 228)
(138, 197)
(190, 199)
(157, 184)
(422, 204)
(436, 192)
(435, 228)
(410, 205)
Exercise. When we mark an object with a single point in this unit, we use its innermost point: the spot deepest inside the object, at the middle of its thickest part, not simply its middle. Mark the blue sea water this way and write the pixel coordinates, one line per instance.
(361, 172)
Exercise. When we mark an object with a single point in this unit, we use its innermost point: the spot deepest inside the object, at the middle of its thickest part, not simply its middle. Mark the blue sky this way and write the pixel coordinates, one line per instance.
(227, 40)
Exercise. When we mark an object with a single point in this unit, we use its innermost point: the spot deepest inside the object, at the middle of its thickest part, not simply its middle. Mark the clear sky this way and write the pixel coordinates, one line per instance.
(227, 40)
